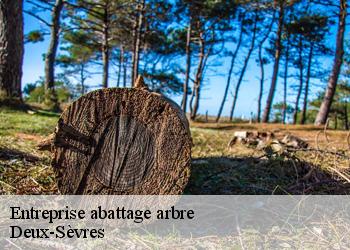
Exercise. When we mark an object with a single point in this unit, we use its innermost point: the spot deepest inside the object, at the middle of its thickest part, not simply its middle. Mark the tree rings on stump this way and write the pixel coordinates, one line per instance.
(122, 141)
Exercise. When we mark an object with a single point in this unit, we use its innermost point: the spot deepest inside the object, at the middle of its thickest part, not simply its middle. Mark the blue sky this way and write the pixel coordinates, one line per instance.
(214, 83)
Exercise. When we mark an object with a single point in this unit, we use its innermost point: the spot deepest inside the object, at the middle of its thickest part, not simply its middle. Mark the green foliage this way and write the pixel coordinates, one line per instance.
(278, 111)
(36, 92)
(305, 29)
(34, 36)
(81, 43)
(77, 55)
(165, 83)
(91, 27)
(78, 50)
(29, 87)
(36, 95)
(312, 26)
(90, 18)
(340, 109)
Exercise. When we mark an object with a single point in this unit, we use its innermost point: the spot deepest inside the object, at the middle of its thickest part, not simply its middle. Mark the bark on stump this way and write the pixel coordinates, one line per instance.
(122, 141)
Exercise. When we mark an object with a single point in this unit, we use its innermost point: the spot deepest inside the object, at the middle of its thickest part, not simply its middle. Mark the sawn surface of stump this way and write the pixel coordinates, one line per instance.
(122, 141)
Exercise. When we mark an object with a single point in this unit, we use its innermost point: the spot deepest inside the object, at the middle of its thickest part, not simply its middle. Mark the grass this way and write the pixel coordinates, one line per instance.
(23, 169)
(15, 121)
(216, 168)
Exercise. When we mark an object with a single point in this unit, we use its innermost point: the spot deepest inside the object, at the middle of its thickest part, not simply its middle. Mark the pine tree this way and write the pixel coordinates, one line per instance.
(55, 8)
(338, 60)
(11, 50)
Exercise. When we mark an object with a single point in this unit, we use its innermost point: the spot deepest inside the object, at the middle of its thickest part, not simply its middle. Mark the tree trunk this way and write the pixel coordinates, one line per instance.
(346, 118)
(82, 78)
(338, 60)
(134, 31)
(125, 65)
(307, 83)
(269, 101)
(191, 100)
(105, 48)
(120, 66)
(105, 61)
(116, 146)
(11, 49)
(198, 79)
(284, 108)
(195, 97)
(50, 95)
(262, 69)
(137, 43)
(188, 68)
(301, 74)
(245, 64)
(233, 59)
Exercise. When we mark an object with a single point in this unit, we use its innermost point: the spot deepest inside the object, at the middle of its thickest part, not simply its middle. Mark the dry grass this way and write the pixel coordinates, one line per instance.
(337, 138)
(216, 169)
(24, 169)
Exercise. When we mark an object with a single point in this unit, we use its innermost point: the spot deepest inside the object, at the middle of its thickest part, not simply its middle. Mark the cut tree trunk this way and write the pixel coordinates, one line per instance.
(109, 142)
(11, 49)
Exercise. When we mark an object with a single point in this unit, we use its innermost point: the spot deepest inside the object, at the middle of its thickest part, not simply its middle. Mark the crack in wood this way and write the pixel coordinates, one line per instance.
(127, 154)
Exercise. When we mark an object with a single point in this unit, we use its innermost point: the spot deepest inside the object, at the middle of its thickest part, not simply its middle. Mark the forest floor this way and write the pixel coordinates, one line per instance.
(216, 168)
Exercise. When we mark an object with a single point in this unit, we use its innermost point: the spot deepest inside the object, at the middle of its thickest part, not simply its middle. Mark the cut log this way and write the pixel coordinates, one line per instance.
(122, 141)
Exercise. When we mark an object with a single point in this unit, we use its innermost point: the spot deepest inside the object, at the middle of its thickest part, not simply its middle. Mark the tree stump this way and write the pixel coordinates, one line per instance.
(122, 141)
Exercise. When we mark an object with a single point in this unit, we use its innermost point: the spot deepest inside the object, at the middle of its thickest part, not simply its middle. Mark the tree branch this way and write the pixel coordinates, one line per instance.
(37, 17)
(38, 5)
